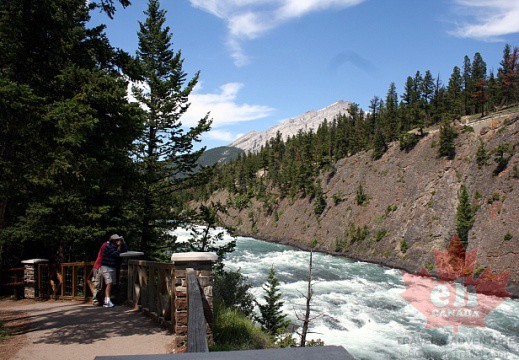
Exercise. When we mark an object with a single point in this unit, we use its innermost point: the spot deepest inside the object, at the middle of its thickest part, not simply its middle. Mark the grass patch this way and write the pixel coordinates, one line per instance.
(4, 334)
(234, 331)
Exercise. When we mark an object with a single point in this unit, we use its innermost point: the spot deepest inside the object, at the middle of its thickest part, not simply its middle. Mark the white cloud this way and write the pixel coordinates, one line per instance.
(250, 19)
(489, 19)
(223, 107)
(221, 135)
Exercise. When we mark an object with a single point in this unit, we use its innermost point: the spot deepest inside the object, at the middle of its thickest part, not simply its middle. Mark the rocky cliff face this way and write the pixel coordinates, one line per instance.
(411, 206)
(310, 120)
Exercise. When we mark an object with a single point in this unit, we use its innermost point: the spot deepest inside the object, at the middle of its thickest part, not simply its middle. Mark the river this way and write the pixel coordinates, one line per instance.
(360, 307)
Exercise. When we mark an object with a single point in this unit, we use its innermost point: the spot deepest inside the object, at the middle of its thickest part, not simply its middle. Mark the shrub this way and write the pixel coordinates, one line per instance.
(408, 141)
(508, 236)
(403, 246)
(361, 196)
(232, 330)
(380, 235)
(231, 290)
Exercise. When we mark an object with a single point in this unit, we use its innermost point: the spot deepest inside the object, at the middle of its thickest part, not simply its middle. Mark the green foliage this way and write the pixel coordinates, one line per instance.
(319, 201)
(379, 146)
(271, 318)
(408, 141)
(403, 246)
(203, 237)
(481, 155)
(446, 143)
(314, 342)
(390, 209)
(337, 198)
(380, 235)
(508, 236)
(164, 151)
(4, 333)
(357, 233)
(501, 158)
(467, 129)
(360, 196)
(464, 216)
(233, 330)
(515, 172)
(66, 132)
(232, 291)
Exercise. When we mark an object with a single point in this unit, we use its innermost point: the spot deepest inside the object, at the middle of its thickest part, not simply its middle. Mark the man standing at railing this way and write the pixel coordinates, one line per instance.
(110, 262)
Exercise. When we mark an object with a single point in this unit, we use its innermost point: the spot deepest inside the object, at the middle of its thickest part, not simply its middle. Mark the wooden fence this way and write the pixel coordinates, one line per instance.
(151, 289)
(12, 281)
(66, 281)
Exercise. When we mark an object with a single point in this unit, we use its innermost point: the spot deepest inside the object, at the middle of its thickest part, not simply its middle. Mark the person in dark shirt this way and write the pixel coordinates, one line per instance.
(110, 262)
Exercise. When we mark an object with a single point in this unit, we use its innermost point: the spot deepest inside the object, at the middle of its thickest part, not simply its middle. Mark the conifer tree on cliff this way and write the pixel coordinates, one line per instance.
(165, 151)
(464, 216)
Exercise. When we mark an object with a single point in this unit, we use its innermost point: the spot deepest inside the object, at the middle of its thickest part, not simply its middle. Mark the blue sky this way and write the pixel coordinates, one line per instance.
(263, 61)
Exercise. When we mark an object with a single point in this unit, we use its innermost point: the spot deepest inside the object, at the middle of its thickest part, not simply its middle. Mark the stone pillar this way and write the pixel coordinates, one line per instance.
(122, 280)
(202, 263)
(30, 277)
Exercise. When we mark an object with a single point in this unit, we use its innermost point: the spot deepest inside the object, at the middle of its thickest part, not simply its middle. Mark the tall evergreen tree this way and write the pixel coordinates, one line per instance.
(272, 319)
(446, 143)
(73, 131)
(467, 86)
(478, 81)
(508, 75)
(454, 93)
(165, 151)
(464, 216)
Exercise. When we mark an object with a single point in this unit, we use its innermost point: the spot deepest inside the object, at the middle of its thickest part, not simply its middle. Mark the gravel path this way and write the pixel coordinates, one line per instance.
(73, 330)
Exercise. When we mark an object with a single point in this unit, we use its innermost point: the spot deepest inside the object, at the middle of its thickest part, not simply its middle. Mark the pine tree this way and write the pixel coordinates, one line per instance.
(319, 200)
(478, 81)
(74, 125)
(454, 93)
(272, 318)
(165, 153)
(508, 75)
(467, 86)
(464, 216)
(446, 145)
(481, 155)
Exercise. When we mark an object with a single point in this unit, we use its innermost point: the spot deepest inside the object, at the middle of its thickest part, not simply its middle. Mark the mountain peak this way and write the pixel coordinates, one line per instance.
(310, 120)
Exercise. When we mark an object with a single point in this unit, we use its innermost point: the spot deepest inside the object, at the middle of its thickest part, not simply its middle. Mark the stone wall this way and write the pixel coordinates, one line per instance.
(30, 277)
(202, 263)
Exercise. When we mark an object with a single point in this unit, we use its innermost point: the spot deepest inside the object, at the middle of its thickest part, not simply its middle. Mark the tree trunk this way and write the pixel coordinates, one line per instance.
(308, 297)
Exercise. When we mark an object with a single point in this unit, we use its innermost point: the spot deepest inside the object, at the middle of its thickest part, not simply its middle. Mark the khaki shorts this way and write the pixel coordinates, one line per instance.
(109, 275)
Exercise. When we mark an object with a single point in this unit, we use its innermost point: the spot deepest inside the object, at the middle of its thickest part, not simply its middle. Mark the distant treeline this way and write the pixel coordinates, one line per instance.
(291, 166)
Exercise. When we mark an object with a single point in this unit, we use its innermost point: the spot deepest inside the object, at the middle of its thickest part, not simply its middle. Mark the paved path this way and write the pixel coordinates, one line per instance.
(73, 330)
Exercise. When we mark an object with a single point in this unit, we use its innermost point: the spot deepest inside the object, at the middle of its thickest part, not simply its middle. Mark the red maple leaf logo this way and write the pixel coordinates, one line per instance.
(456, 298)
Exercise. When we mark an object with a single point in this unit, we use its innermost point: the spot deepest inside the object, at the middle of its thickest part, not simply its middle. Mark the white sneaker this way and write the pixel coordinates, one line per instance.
(108, 304)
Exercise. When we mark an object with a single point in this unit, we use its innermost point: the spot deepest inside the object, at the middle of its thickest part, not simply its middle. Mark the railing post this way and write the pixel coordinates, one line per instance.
(202, 264)
(30, 277)
(123, 286)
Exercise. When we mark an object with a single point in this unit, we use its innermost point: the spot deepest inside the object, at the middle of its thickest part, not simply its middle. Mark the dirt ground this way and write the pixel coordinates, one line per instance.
(73, 330)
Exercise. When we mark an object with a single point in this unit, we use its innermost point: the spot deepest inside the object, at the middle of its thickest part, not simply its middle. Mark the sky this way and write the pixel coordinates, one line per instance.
(264, 61)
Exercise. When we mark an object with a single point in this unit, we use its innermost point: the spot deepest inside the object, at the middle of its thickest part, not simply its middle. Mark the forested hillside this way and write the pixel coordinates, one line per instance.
(386, 185)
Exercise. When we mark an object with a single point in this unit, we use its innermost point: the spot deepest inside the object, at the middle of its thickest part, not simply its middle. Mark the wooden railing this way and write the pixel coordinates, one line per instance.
(66, 281)
(151, 289)
(12, 282)
(196, 323)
